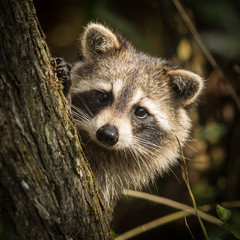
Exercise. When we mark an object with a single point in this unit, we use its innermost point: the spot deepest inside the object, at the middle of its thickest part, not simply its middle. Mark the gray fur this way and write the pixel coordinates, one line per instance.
(146, 146)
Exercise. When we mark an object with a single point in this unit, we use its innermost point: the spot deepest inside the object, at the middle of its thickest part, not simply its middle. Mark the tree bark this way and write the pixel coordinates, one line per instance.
(47, 190)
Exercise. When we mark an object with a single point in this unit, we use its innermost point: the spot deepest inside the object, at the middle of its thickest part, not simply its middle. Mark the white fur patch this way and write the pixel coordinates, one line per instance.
(137, 97)
(87, 85)
(125, 133)
(185, 123)
(122, 123)
(117, 87)
(161, 116)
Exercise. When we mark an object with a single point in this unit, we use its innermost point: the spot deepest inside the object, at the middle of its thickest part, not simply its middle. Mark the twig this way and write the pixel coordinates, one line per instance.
(186, 179)
(173, 204)
(205, 51)
(153, 224)
(189, 229)
(188, 210)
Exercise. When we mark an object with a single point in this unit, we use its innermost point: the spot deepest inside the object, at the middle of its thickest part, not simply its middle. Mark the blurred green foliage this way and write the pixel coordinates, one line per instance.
(223, 19)
(223, 213)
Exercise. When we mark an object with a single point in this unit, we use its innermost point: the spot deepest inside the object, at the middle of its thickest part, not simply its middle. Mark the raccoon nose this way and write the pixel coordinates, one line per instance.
(108, 135)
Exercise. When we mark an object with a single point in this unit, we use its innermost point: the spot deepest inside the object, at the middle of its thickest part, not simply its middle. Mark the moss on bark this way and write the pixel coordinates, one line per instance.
(47, 188)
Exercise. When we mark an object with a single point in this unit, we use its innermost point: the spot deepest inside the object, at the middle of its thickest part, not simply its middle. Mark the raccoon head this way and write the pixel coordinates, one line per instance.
(129, 109)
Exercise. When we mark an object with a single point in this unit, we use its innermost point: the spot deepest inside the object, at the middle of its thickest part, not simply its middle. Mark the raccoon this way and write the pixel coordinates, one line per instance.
(130, 109)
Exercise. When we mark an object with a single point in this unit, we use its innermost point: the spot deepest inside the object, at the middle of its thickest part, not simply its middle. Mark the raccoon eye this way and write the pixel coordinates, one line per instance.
(141, 112)
(102, 97)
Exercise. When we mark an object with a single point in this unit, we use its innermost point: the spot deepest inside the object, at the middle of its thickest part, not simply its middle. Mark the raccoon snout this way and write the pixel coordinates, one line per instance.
(108, 135)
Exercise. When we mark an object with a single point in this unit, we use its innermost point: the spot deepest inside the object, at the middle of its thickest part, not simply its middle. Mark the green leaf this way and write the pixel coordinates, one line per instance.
(223, 213)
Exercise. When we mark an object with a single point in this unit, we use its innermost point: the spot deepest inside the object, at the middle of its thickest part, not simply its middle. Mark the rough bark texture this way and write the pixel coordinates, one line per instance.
(46, 188)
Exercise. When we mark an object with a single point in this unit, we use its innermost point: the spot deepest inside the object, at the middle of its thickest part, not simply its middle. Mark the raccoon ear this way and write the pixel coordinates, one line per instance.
(187, 85)
(98, 39)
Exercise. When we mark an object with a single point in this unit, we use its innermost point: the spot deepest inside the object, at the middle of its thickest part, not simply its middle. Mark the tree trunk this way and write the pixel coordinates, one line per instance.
(46, 187)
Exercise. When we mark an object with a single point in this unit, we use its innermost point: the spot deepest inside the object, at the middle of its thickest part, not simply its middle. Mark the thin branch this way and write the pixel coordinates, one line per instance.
(187, 210)
(173, 204)
(151, 225)
(186, 179)
(205, 51)
(186, 223)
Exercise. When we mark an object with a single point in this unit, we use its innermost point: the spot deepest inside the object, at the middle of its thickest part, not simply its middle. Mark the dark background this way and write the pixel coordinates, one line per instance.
(214, 148)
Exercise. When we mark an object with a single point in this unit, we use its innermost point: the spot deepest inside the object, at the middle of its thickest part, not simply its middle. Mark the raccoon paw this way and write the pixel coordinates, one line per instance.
(62, 70)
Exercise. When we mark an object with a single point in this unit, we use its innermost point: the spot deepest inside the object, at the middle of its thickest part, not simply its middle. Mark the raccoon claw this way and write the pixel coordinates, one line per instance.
(62, 70)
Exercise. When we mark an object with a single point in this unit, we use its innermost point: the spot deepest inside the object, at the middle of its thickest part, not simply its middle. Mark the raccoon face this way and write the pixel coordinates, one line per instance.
(119, 118)
(131, 110)
(123, 98)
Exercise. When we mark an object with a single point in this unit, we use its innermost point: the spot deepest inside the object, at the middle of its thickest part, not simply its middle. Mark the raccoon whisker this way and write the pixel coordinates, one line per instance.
(81, 120)
(86, 106)
(146, 153)
(144, 143)
(76, 108)
(125, 153)
(81, 124)
(78, 122)
(80, 112)
(77, 113)
(80, 117)
(150, 145)
(119, 181)
(143, 151)
(140, 157)
(135, 156)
